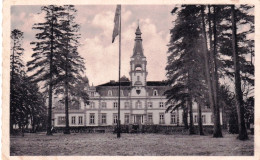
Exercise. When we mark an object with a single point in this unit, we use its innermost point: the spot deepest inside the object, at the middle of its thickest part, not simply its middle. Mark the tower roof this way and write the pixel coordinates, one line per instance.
(138, 48)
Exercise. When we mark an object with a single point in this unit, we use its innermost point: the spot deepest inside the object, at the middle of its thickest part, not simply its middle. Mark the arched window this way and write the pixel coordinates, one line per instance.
(109, 93)
(155, 93)
(138, 67)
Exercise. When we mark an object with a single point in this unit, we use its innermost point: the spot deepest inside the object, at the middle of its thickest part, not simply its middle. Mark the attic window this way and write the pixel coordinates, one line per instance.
(155, 93)
(109, 93)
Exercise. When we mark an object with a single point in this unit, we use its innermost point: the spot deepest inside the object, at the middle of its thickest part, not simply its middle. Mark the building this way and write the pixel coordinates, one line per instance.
(142, 101)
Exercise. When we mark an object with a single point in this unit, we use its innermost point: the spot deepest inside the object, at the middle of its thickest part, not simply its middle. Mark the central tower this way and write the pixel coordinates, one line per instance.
(138, 72)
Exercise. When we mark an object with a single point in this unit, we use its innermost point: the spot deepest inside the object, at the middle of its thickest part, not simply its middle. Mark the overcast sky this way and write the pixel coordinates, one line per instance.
(97, 22)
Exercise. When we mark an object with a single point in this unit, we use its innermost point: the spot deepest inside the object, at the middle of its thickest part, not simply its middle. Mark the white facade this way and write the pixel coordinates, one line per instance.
(142, 101)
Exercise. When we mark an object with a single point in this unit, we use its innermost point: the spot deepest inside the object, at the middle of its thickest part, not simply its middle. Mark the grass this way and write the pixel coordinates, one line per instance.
(92, 144)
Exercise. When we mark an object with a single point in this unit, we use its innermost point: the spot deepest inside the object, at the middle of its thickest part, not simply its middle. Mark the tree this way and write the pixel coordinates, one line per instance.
(185, 62)
(212, 71)
(35, 104)
(46, 63)
(73, 63)
(16, 71)
(238, 92)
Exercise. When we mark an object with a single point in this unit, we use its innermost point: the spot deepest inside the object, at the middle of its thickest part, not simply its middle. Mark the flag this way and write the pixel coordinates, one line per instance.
(116, 21)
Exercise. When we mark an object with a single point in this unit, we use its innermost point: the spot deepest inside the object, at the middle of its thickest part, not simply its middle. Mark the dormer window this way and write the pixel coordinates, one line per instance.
(155, 93)
(109, 93)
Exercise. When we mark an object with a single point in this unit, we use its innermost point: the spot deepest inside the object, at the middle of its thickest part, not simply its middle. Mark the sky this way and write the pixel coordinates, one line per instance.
(97, 23)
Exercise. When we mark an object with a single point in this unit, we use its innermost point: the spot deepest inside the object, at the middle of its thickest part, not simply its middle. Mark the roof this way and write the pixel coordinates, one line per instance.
(148, 83)
(113, 83)
(138, 47)
(156, 83)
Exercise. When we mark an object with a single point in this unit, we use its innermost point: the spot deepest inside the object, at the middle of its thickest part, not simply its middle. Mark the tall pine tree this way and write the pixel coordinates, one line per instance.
(46, 62)
(73, 63)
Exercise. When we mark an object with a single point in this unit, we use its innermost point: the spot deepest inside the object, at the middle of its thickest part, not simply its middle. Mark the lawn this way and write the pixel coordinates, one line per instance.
(90, 144)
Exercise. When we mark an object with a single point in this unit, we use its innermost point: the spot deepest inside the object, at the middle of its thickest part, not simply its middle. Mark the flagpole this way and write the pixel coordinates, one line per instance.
(118, 118)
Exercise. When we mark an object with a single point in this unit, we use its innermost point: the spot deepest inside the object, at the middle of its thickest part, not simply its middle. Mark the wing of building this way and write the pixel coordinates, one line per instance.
(142, 102)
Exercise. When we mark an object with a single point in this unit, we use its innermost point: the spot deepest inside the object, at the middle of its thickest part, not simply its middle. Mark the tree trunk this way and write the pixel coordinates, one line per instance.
(239, 95)
(213, 57)
(49, 125)
(200, 120)
(191, 127)
(33, 121)
(177, 117)
(185, 117)
(217, 126)
(207, 67)
(67, 128)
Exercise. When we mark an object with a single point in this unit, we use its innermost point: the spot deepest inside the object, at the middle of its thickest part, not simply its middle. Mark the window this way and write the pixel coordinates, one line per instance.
(127, 117)
(195, 119)
(92, 118)
(80, 119)
(150, 104)
(92, 104)
(161, 115)
(115, 104)
(161, 104)
(73, 120)
(138, 67)
(203, 118)
(61, 120)
(109, 93)
(150, 118)
(155, 93)
(104, 105)
(103, 118)
(92, 94)
(115, 118)
(138, 104)
(127, 105)
(138, 119)
(173, 118)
